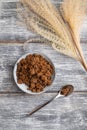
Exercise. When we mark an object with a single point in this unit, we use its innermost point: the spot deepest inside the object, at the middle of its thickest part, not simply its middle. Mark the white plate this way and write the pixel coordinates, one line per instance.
(24, 87)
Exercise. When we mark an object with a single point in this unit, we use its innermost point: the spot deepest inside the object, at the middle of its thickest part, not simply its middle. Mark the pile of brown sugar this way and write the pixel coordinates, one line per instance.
(34, 71)
(66, 90)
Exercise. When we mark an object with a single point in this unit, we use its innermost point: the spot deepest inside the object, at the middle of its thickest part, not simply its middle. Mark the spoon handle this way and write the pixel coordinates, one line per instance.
(40, 106)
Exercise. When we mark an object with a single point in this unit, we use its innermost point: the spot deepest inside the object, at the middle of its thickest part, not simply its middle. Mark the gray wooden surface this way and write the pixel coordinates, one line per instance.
(69, 113)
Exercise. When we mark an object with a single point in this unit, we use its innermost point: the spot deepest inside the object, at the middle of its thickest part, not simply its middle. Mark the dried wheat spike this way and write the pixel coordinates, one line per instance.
(60, 28)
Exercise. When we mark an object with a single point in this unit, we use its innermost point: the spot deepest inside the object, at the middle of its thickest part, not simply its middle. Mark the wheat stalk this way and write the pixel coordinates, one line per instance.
(60, 28)
(74, 14)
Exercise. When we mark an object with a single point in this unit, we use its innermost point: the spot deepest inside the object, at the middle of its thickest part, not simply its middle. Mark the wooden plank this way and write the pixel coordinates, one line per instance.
(11, 31)
(69, 113)
(9, 28)
(68, 71)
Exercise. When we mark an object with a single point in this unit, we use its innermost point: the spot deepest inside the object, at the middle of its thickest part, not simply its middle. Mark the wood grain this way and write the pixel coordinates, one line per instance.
(63, 114)
(68, 71)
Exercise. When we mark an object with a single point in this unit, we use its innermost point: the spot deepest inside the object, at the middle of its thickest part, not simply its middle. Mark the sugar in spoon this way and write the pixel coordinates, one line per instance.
(64, 91)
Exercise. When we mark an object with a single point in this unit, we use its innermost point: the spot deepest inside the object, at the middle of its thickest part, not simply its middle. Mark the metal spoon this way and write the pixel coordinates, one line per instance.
(65, 91)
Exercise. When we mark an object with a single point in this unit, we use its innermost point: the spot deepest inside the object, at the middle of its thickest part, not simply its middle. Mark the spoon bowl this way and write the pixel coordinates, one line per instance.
(65, 91)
